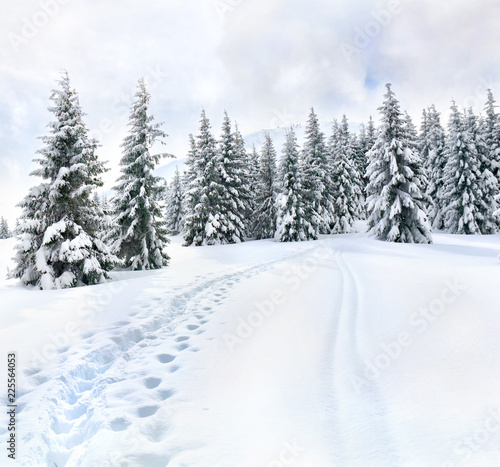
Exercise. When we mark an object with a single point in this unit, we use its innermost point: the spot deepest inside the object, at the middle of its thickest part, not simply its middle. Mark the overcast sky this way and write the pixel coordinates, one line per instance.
(264, 61)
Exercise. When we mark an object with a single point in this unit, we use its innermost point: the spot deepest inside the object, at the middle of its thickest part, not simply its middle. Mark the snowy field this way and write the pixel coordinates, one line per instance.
(345, 351)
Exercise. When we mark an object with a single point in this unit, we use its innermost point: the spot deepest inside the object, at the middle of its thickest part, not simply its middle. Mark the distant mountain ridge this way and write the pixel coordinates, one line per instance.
(167, 171)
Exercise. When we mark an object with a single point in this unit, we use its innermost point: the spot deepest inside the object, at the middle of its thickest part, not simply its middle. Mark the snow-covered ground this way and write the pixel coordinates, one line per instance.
(346, 351)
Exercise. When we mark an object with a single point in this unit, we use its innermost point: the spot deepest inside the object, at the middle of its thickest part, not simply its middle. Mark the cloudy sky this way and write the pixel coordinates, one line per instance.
(264, 61)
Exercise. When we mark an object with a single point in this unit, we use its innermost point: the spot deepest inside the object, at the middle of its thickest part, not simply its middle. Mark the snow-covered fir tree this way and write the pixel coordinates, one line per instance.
(488, 222)
(292, 224)
(194, 178)
(411, 133)
(247, 177)
(396, 178)
(346, 181)
(431, 145)
(217, 196)
(412, 141)
(490, 161)
(467, 194)
(362, 144)
(139, 236)
(174, 205)
(253, 178)
(59, 229)
(318, 190)
(491, 134)
(227, 215)
(201, 175)
(4, 228)
(265, 194)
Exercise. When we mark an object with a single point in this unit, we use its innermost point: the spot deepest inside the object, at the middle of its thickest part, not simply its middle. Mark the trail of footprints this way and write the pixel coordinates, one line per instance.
(101, 366)
(92, 371)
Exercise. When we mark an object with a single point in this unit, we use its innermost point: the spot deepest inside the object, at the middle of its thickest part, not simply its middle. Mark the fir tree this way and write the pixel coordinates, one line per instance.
(139, 235)
(432, 143)
(318, 191)
(411, 135)
(226, 220)
(467, 194)
(346, 181)
(4, 229)
(253, 183)
(265, 193)
(201, 174)
(491, 133)
(396, 178)
(59, 230)
(487, 205)
(361, 145)
(204, 192)
(174, 209)
(490, 160)
(247, 177)
(194, 221)
(292, 224)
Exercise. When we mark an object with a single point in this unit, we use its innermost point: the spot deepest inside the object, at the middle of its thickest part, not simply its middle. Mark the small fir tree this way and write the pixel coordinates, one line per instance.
(265, 192)
(292, 224)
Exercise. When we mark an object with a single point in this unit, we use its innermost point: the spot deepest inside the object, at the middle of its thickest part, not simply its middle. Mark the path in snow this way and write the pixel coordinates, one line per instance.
(121, 375)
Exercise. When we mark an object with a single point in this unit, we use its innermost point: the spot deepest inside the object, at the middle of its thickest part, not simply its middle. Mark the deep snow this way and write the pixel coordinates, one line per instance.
(345, 351)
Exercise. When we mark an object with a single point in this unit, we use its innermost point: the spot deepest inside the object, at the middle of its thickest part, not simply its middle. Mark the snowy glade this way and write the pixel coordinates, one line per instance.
(400, 179)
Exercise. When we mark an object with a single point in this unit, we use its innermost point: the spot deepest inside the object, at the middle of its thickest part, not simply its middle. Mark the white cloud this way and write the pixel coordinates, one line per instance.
(261, 60)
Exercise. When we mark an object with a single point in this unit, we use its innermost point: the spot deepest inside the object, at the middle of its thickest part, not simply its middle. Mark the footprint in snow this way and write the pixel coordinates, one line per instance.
(84, 385)
(147, 411)
(174, 368)
(164, 394)
(182, 339)
(165, 358)
(182, 347)
(119, 424)
(192, 327)
(152, 383)
(60, 427)
(74, 413)
(72, 398)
